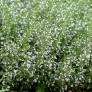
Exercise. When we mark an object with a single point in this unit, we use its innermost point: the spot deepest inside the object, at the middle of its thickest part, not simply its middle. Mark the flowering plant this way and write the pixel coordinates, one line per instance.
(45, 45)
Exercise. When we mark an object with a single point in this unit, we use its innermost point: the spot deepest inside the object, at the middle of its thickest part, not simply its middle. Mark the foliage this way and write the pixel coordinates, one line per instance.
(45, 45)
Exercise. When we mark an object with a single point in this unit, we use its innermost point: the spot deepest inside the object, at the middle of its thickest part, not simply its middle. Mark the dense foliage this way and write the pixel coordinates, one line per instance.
(45, 45)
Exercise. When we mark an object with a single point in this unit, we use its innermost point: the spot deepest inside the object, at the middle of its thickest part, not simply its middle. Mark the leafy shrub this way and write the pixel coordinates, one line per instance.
(45, 45)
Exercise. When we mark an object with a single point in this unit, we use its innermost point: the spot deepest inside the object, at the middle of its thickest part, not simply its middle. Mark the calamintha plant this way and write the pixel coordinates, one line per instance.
(46, 45)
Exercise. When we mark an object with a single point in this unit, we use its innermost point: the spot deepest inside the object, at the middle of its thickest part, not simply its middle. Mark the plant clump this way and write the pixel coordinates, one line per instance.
(46, 45)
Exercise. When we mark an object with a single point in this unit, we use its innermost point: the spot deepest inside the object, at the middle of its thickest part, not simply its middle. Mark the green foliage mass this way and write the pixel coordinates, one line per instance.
(45, 45)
